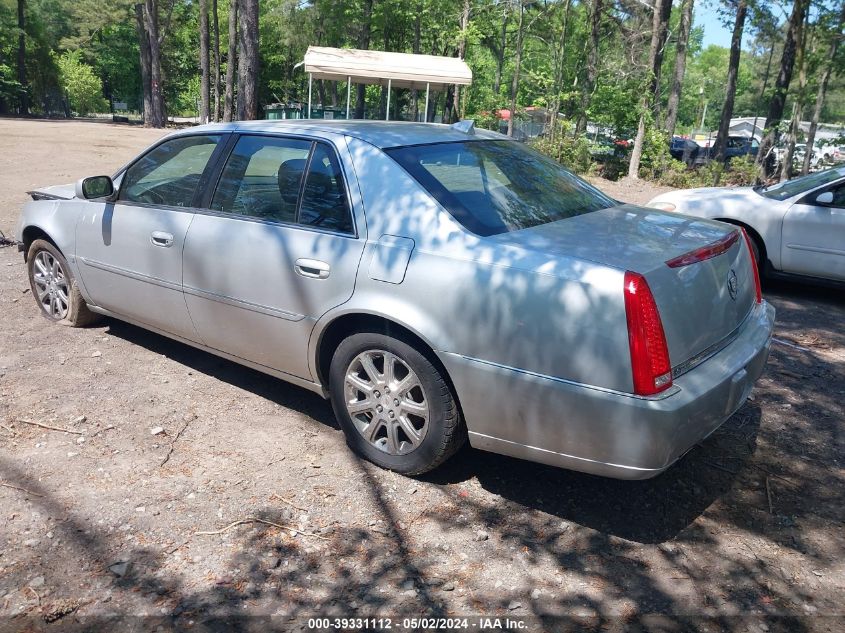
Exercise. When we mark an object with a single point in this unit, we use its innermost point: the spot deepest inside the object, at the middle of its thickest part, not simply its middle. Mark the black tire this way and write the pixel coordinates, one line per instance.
(445, 432)
(78, 314)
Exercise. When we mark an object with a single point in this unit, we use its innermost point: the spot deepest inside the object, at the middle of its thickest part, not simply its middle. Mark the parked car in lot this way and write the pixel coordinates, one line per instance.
(797, 227)
(800, 152)
(833, 153)
(684, 149)
(435, 282)
(736, 146)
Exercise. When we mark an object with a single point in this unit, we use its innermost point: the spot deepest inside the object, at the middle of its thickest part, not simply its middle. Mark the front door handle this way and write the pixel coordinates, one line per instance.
(313, 268)
(160, 238)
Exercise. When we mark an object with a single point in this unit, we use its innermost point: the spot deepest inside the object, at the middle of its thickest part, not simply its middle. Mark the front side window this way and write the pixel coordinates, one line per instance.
(789, 188)
(262, 178)
(168, 174)
(493, 187)
(838, 196)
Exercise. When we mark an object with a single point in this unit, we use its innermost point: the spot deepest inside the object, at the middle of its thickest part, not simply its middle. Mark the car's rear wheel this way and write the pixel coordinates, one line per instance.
(393, 404)
(54, 287)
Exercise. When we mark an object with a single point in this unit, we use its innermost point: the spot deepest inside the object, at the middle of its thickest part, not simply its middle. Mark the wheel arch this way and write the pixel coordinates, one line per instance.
(350, 323)
(754, 235)
(34, 232)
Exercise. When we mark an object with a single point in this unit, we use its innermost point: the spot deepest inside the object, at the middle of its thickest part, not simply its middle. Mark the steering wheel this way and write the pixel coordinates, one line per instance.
(151, 196)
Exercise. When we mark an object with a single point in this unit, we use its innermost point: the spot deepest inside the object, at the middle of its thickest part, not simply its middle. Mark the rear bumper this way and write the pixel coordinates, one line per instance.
(604, 432)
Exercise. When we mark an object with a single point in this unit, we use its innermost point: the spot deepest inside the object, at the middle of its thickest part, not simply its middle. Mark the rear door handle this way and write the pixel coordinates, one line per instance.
(313, 268)
(160, 238)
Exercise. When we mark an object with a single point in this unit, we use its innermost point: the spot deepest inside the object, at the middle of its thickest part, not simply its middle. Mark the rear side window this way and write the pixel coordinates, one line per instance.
(284, 180)
(168, 174)
(262, 178)
(493, 187)
(324, 202)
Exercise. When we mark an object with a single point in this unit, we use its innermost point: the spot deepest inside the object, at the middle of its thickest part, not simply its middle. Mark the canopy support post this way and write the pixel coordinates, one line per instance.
(310, 78)
(425, 114)
(348, 94)
(387, 109)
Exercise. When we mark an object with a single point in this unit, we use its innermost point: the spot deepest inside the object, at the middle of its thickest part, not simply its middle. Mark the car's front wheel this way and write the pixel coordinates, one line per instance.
(54, 287)
(393, 404)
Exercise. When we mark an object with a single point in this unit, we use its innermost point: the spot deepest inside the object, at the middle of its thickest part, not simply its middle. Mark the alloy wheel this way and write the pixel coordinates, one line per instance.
(386, 401)
(51, 285)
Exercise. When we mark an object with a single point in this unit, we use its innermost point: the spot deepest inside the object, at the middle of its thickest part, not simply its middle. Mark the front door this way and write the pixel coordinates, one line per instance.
(814, 236)
(276, 250)
(130, 250)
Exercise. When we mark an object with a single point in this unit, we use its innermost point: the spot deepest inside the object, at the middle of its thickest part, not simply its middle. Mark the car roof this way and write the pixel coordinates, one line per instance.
(382, 134)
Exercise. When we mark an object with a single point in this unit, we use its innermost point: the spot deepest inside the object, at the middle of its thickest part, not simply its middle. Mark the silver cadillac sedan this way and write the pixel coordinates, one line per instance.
(437, 283)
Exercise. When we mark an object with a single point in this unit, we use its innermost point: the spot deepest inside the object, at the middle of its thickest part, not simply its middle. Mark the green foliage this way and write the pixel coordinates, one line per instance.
(571, 151)
(740, 172)
(656, 158)
(677, 174)
(553, 69)
(83, 88)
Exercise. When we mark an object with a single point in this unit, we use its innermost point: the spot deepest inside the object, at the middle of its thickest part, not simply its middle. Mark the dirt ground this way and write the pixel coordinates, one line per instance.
(106, 525)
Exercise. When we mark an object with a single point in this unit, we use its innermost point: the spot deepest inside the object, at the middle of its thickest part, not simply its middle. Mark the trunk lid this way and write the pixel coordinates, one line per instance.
(700, 304)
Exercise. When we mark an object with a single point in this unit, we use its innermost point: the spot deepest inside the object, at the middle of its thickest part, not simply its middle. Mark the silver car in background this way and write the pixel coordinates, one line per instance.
(437, 283)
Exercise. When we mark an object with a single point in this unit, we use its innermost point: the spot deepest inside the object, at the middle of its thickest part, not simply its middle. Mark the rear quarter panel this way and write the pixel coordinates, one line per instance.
(502, 304)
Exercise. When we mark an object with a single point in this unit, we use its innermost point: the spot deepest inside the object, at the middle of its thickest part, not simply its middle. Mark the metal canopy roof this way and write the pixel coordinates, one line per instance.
(402, 70)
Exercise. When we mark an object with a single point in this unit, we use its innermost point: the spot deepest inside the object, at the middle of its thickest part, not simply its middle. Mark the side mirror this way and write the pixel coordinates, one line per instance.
(94, 187)
(825, 198)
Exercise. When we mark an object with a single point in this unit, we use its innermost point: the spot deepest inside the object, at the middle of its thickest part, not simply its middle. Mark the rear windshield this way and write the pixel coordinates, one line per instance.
(494, 187)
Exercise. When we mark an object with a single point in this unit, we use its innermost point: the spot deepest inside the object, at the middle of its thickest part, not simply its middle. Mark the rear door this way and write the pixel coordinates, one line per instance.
(814, 236)
(130, 251)
(275, 249)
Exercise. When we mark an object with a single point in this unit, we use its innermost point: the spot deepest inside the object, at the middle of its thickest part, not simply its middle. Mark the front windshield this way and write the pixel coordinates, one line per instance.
(493, 187)
(796, 186)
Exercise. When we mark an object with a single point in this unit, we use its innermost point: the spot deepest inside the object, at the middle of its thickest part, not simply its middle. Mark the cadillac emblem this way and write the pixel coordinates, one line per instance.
(733, 284)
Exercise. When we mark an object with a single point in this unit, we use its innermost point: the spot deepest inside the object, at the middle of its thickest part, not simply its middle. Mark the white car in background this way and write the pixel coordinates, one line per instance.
(797, 227)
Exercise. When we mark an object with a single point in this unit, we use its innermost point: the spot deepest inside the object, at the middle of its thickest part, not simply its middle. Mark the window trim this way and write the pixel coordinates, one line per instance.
(215, 175)
(210, 166)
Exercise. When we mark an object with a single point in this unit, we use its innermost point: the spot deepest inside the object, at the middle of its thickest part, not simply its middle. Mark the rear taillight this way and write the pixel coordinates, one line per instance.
(756, 272)
(650, 365)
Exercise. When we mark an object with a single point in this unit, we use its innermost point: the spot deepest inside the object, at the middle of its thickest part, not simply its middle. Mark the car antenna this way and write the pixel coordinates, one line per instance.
(467, 126)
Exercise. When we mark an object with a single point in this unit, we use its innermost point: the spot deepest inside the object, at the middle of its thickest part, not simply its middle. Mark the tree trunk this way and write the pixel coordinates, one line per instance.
(415, 97)
(204, 69)
(385, 47)
(157, 116)
(589, 84)
(759, 103)
(500, 56)
(663, 32)
(823, 82)
(787, 62)
(24, 100)
(559, 55)
(797, 103)
(231, 62)
(248, 63)
(517, 63)
(637, 151)
(733, 70)
(364, 44)
(680, 67)
(215, 83)
(461, 92)
(144, 50)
